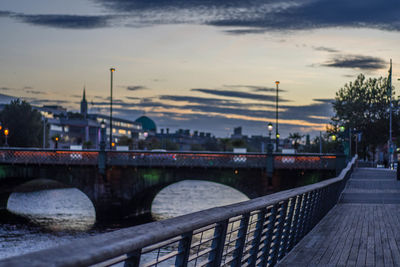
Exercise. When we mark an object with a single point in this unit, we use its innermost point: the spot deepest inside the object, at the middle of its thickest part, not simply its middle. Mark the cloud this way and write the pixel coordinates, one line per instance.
(136, 88)
(35, 101)
(198, 100)
(356, 62)
(326, 49)
(256, 88)
(62, 21)
(236, 94)
(235, 16)
(258, 16)
(34, 92)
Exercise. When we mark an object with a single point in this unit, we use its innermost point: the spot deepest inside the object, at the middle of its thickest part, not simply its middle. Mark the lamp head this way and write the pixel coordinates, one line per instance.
(341, 129)
(112, 69)
(102, 124)
(276, 82)
(270, 127)
(278, 135)
(6, 132)
(333, 137)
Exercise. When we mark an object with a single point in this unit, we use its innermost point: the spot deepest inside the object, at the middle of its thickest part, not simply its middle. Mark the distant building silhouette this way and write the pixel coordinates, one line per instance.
(84, 104)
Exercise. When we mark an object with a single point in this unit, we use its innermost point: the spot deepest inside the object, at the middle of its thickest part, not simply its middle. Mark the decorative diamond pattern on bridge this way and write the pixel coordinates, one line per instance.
(167, 159)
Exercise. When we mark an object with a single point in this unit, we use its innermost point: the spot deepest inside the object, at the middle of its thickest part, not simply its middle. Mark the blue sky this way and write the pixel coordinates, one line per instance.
(206, 65)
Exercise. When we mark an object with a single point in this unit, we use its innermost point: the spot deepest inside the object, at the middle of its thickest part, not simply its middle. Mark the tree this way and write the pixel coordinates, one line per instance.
(25, 124)
(125, 141)
(296, 138)
(225, 144)
(363, 105)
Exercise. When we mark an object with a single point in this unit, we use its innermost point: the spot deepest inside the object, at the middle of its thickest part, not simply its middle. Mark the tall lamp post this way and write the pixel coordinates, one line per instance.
(111, 103)
(276, 123)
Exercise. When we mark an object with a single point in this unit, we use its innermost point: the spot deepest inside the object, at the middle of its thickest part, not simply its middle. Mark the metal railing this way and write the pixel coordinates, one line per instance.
(167, 159)
(257, 232)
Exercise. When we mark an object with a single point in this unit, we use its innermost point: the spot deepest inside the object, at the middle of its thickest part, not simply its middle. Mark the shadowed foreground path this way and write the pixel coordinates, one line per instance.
(362, 230)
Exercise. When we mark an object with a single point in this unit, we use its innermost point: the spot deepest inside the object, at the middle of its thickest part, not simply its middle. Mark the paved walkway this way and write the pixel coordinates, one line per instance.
(362, 230)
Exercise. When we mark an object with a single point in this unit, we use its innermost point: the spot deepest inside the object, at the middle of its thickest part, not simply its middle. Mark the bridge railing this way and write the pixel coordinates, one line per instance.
(37, 156)
(221, 159)
(167, 159)
(256, 232)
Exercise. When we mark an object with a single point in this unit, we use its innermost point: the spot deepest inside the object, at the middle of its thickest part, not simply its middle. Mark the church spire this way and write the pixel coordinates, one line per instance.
(84, 93)
(84, 104)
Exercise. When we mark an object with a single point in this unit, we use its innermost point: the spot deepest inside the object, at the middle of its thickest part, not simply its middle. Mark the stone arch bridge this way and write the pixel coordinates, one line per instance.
(125, 183)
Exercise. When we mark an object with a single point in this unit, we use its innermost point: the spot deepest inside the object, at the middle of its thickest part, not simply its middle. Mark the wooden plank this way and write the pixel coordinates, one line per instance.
(352, 259)
(335, 241)
(301, 252)
(387, 255)
(364, 235)
(391, 231)
(379, 257)
(370, 257)
(345, 253)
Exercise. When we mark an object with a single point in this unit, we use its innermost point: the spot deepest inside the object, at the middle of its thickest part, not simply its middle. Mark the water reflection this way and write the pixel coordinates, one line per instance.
(62, 208)
(190, 196)
(55, 209)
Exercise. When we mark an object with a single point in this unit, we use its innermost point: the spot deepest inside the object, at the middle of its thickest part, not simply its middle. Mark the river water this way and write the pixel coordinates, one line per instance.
(64, 215)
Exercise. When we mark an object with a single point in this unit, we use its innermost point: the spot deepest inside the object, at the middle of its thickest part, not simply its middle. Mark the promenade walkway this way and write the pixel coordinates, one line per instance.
(362, 230)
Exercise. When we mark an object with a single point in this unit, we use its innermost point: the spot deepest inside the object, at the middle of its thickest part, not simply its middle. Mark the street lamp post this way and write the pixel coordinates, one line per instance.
(102, 155)
(270, 158)
(276, 123)
(6, 133)
(44, 132)
(102, 135)
(111, 103)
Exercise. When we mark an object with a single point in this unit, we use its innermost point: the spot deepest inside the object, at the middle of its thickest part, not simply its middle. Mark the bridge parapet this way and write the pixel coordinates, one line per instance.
(168, 159)
(256, 232)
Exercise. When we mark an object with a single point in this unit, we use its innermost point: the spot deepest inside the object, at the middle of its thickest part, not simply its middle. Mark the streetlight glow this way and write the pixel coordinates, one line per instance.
(270, 127)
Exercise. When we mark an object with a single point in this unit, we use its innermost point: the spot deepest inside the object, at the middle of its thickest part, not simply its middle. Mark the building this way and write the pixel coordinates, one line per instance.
(83, 129)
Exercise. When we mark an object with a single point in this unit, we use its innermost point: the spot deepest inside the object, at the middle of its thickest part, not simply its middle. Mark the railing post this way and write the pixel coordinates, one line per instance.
(295, 223)
(241, 240)
(133, 259)
(300, 222)
(310, 211)
(278, 234)
(268, 236)
(217, 246)
(251, 261)
(184, 250)
(287, 229)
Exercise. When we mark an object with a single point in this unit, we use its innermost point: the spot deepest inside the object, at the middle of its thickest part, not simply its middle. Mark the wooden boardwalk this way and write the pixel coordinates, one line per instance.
(362, 230)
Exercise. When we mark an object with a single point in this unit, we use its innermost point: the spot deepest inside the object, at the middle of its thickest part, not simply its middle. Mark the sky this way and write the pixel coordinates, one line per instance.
(205, 65)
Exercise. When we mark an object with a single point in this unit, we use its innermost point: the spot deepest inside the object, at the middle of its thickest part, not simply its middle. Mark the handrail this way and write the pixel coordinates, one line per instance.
(287, 216)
